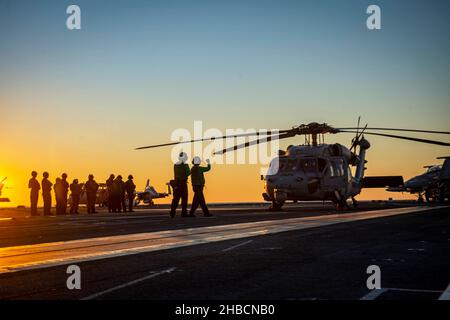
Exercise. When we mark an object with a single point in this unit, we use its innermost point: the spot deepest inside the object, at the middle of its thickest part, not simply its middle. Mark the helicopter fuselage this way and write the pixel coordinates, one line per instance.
(307, 173)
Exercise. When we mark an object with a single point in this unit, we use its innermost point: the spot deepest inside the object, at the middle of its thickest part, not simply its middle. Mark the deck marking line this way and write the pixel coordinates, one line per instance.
(237, 246)
(127, 284)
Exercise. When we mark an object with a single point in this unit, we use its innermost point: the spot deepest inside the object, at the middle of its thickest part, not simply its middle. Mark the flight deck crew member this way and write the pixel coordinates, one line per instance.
(91, 187)
(75, 192)
(130, 188)
(198, 183)
(117, 192)
(109, 188)
(179, 185)
(34, 185)
(61, 191)
(123, 195)
(47, 194)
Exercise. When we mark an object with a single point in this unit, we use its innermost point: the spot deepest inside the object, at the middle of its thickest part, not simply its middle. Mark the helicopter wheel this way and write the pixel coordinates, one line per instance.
(276, 206)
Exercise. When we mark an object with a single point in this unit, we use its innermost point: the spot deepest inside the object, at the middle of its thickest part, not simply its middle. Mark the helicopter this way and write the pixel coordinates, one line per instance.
(433, 184)
(316, 170)
(2, 184)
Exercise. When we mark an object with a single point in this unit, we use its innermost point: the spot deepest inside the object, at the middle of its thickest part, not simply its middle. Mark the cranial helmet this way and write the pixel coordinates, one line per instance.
(196, 160)
(183, 157)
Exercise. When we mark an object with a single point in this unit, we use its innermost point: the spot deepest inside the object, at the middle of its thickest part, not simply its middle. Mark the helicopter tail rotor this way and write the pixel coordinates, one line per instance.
(358, 135)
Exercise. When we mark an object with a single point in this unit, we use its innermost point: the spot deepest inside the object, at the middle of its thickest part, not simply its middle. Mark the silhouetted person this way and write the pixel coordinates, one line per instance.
(179, 184)
(109, 188)
(75, 193)
(61, 190)
(47, 194)
(117, 193)
(130, 188)
(91, 188)
(198, 183)
(123, 195)
(34, 187)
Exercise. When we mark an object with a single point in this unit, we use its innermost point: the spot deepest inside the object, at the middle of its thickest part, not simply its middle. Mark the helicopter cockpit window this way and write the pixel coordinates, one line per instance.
(288, 165)
(433, 169)
(291, 165)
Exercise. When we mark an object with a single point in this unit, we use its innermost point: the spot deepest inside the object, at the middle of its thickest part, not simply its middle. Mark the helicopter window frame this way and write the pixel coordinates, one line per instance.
(322, 164)
(287, 165)
(336, 167)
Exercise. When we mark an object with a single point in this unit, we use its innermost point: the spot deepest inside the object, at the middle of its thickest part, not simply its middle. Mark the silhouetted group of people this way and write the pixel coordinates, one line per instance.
(118, 191)
(180, 190)
(116, 188)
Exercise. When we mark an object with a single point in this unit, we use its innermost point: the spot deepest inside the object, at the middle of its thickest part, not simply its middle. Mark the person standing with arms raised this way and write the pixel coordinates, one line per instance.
(198, 183)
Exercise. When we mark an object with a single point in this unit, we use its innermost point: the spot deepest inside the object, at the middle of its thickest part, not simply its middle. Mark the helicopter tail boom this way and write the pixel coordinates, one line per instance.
(383, 182)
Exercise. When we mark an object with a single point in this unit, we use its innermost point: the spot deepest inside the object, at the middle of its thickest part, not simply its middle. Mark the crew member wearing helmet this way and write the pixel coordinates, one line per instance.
(179, 184)
(198, 183)
(34, 185)
(130, 188)
(47, 193)
(61, 191)
(75, 192)
(91, 187)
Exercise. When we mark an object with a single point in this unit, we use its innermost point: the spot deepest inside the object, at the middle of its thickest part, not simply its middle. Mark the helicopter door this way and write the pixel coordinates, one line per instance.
(335, 176)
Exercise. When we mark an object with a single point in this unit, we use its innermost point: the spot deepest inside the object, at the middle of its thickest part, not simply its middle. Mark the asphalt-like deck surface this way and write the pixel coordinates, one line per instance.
(318, 262)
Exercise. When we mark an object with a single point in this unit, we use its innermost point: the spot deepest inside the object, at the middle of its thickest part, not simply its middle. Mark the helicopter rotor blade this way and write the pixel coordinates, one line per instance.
(398, 129)
(266, 133)
(440, 143)
(254, 142)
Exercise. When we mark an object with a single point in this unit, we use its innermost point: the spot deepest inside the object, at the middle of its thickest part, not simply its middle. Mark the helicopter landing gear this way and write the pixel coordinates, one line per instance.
(339, 201)
(420, 200)
(276, 206)
(341, 205)
(355, 203)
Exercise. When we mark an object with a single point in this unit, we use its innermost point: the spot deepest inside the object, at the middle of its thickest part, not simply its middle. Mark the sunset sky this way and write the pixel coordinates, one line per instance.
(80, 101)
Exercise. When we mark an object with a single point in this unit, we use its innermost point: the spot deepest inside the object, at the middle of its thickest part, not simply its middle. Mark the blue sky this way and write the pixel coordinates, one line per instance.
(242, 56)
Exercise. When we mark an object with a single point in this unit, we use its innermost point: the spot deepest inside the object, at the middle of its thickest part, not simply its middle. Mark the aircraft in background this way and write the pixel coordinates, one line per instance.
(433, 184)
(149, 194)
(2, 184)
